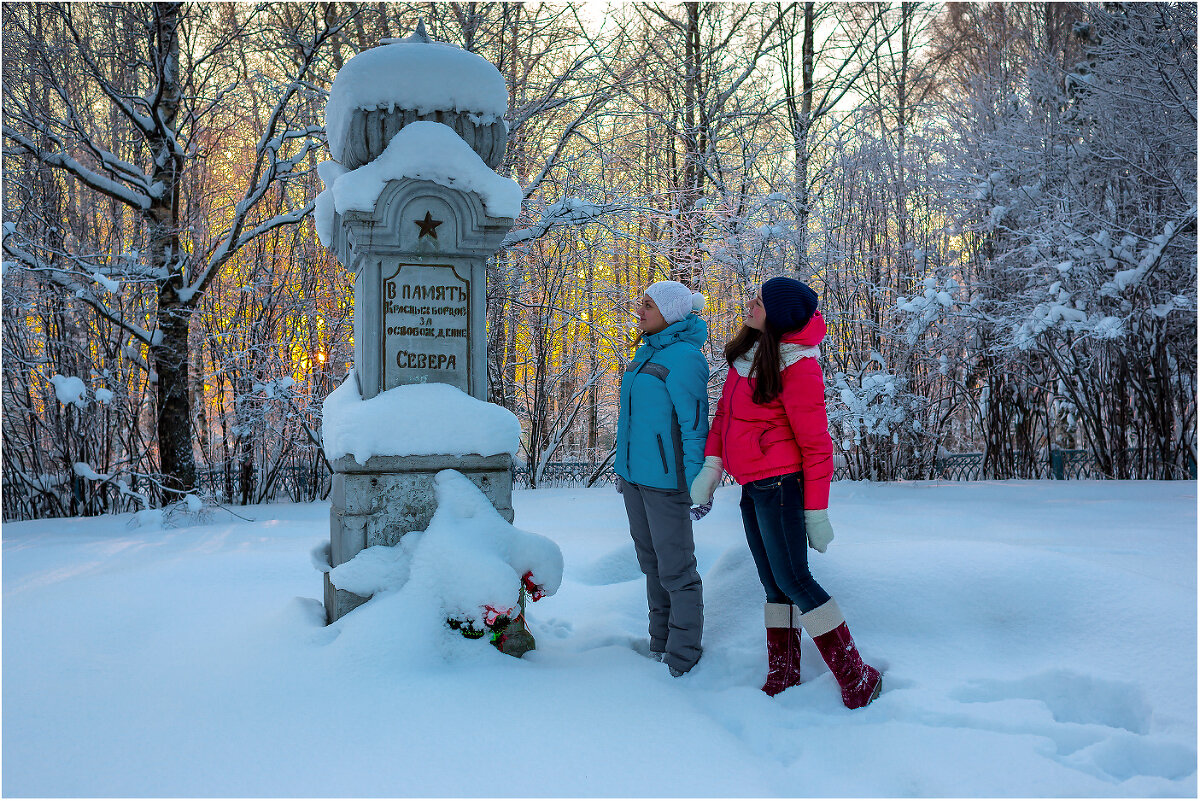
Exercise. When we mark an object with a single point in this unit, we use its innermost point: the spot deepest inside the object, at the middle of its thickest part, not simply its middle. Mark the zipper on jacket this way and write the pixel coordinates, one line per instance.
(629, 426)
(696, 422)
(662, 452)
(729, 412)
(629, 417)
(677, 447)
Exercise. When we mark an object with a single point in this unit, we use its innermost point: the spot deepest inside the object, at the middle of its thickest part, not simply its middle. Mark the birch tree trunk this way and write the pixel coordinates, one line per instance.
(169, 352)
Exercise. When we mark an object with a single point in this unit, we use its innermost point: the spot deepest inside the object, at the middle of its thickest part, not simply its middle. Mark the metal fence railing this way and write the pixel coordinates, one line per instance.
(304, 483)
(292, 482)
(1062, 464)
(308, 482)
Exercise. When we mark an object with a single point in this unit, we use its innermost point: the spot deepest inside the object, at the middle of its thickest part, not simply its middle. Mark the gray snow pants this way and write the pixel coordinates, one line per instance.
(662, 535)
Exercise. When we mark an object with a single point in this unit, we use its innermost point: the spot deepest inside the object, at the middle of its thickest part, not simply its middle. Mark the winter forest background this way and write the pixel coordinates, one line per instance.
(996, 204)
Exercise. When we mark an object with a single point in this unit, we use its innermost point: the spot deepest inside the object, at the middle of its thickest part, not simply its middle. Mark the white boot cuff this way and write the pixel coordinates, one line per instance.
(822, 620)
(779, 616)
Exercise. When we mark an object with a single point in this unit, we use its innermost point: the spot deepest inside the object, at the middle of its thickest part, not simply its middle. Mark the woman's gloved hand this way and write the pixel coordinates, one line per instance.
(820, 533)
(706, 481)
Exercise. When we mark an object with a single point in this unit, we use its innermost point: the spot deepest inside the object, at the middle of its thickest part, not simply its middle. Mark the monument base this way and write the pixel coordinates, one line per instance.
(339, 602)
(378, 502)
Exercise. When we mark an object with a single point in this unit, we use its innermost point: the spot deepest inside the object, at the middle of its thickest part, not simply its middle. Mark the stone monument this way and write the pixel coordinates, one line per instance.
(413, 209)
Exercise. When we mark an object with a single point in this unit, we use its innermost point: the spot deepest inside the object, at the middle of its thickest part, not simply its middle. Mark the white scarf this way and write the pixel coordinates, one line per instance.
(789, 354)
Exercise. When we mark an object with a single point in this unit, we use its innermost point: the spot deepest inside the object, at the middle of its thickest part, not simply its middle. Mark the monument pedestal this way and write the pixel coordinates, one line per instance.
(379, 502)
(414, 210)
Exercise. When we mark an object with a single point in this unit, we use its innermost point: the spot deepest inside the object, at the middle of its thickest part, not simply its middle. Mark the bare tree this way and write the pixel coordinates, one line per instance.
(161, 90)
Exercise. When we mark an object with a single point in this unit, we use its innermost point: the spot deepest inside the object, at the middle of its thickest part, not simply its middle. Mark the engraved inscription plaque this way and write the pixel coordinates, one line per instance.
(426, 314)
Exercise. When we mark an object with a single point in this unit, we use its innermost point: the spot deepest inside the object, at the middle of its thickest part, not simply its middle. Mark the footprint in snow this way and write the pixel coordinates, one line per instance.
(615, 567)
(1071, 698)
(554, 627)
(1101, 727)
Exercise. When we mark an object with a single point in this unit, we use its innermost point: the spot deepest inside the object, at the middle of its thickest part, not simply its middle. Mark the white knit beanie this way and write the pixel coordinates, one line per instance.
(675, 300)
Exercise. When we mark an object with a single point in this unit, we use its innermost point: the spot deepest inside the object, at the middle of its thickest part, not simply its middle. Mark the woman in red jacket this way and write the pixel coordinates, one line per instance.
(771, 434)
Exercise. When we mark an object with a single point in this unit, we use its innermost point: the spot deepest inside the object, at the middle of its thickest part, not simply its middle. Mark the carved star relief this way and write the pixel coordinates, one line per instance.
(428, 225)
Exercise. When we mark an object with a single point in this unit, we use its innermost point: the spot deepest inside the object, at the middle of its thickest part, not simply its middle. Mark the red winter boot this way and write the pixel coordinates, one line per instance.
(783, 648)
(859, 681)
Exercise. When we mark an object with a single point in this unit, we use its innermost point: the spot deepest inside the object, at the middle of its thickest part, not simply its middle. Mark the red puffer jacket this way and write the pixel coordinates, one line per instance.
(788, 434)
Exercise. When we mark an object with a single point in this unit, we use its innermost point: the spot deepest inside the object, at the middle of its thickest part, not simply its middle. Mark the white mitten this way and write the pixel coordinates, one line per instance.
(820, 533)
(706, 481)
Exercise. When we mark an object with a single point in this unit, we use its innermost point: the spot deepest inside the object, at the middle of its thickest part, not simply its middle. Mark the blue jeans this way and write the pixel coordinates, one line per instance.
(773, 513)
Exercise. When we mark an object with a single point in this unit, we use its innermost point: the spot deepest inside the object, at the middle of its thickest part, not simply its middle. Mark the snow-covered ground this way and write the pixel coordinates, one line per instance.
(1039, 639)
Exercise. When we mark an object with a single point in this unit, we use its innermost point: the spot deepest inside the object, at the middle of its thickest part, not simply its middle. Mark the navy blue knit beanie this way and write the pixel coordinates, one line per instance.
(789, 303)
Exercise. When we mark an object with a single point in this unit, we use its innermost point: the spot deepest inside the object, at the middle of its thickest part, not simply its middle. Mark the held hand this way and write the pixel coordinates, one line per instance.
(706, 481)
(820, 533)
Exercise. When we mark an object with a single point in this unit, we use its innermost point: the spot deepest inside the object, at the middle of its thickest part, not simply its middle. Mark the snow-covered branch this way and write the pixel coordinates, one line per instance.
(565, 212)
(70, 281)
(61, 159)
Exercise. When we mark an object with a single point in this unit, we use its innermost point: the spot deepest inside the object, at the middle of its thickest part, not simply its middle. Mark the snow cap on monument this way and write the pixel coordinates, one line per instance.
(417, 75)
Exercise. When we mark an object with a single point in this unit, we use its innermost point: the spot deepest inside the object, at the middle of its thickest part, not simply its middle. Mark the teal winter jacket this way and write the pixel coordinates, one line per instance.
(664, 408)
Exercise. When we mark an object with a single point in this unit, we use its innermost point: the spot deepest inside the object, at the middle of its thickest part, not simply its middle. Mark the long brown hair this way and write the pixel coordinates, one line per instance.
(768, 381)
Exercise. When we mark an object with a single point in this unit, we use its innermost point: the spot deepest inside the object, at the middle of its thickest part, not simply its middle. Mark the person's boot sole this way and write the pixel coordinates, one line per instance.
(874, 694)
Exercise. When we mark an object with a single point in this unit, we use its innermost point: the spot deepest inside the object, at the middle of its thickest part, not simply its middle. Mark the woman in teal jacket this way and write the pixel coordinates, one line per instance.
(661, 433)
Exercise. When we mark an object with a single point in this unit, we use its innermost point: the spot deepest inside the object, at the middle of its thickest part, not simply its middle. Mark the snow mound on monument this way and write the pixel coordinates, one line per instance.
(428, 151)
(414, 420)
(468, 560)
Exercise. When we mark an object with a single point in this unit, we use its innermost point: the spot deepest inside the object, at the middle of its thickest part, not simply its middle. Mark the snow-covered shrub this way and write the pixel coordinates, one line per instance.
(876, 422)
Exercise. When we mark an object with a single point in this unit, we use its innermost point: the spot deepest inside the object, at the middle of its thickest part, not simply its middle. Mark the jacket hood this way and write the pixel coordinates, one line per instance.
(691, 329)
(810, 335)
